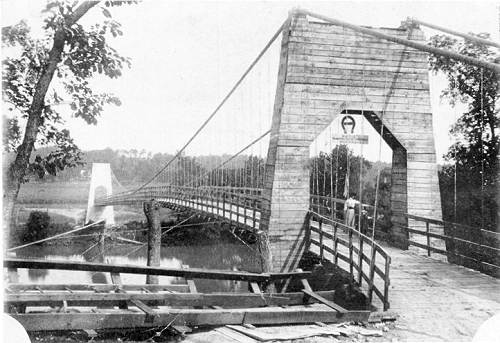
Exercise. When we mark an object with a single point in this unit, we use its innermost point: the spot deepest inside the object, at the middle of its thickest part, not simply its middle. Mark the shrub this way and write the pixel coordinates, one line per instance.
(37, 226)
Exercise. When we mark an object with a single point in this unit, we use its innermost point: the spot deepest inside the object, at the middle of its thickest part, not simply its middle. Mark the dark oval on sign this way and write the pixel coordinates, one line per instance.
(347, 123)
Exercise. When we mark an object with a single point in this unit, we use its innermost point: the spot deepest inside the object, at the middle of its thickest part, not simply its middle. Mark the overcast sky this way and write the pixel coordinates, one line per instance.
(187, 55)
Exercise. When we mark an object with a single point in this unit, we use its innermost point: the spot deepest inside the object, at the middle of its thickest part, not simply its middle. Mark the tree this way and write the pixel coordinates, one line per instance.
(476, 132)
(46, 73)
(36, 226)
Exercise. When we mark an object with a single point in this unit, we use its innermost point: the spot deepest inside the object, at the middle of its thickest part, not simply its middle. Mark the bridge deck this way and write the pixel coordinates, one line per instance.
(436, 300)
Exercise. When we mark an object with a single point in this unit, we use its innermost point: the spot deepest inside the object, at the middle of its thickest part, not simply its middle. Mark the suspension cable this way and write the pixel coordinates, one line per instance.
(482, 150)
(232, 157)
(233, 89)
(56, 236)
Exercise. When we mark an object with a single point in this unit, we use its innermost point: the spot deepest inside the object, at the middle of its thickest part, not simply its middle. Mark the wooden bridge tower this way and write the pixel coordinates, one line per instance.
(324, 70)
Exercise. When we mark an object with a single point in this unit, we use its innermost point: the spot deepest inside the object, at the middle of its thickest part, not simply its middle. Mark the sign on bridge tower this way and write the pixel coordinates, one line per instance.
(325, 69)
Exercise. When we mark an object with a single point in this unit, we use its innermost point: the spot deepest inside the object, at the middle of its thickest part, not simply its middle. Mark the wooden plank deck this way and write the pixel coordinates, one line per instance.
(436, 300)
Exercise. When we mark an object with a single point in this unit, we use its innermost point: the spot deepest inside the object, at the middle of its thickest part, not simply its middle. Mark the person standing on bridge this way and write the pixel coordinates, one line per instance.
(349, 213)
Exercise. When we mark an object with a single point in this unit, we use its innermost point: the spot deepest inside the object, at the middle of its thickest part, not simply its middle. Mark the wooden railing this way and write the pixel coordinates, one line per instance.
(334, 207)
(362, 258)
(464, 245)
(241, 206)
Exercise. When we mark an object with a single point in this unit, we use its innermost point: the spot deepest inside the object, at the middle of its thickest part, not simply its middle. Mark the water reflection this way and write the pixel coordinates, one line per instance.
(37, 275)
(215, 256)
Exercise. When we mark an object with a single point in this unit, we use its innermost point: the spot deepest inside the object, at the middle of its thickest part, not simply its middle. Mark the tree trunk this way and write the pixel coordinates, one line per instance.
(264, 252)
(152, 212)
(17, 170)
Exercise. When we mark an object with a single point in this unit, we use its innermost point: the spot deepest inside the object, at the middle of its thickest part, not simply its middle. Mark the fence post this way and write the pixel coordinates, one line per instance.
(360, 260)
(320, 223)
(428, 238)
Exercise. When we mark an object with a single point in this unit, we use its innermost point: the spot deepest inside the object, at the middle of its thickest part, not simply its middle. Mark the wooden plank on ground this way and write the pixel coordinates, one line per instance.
(190, 281)
(117, 280)
(99, 287)
(226, 300)
(108, 319)
(324, 301)
(150, 313)
(255, 287)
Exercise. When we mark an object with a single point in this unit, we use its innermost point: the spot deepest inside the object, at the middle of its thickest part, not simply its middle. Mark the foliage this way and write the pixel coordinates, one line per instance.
(476, 133)
(85, 55)
(329, 172)
(37, 226)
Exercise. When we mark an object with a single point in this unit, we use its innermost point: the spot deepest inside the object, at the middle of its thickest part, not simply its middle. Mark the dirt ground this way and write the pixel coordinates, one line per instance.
(215, 335)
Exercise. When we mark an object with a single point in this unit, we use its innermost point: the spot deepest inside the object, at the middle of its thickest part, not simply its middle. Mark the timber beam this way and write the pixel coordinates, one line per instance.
(412, 44)
(225, 300)
(116, 319)
(192, 273)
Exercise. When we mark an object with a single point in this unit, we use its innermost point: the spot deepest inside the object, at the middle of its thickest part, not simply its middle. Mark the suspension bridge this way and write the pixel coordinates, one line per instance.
(266, 161)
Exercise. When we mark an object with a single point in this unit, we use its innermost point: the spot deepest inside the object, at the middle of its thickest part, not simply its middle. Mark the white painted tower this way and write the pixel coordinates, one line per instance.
(100, 186)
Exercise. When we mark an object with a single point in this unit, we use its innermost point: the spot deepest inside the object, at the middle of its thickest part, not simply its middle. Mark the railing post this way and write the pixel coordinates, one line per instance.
(237, 208)
(230, 202)
(320, 223)
(350, 253)
(335, 244)
(371, 275)
(254, 210)
(386, 283)
(360, 260)
(218, 200)
(428, 238)
(224, 204)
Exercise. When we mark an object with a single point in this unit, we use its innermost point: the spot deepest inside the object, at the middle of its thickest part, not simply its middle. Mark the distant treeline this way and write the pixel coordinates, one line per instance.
(130, 166)
(468, 205)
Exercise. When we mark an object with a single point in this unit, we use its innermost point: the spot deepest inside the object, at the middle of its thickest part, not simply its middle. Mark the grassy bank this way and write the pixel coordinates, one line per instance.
(75, 192)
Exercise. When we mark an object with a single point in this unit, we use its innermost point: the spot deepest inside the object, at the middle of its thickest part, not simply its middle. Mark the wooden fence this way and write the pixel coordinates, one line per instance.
(467, 246)
(463, 245)
(363, 258)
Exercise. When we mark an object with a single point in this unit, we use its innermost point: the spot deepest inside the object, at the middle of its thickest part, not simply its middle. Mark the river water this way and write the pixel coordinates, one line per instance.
(226, 256)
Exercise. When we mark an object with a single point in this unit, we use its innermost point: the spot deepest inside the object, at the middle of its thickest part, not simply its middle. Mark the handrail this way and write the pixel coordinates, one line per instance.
(444, 222)
(365, 249)
(229, 203)
(479, 250)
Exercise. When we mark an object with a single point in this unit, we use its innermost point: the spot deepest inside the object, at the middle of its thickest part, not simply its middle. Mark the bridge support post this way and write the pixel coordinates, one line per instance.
(152, 212)
(286, 191)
